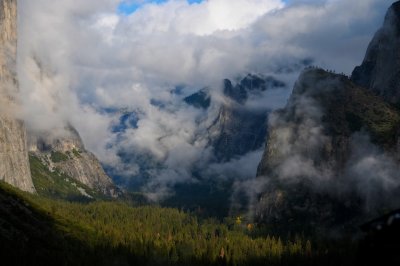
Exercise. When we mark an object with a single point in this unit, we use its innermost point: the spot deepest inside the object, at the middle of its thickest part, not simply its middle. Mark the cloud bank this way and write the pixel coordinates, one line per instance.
(86, 64)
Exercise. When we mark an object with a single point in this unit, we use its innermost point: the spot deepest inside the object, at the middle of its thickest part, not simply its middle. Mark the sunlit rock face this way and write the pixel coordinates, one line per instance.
(14, 163)
(67, 154)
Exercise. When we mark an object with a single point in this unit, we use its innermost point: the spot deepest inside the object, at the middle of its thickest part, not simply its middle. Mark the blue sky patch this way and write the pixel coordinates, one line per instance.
(129, 7)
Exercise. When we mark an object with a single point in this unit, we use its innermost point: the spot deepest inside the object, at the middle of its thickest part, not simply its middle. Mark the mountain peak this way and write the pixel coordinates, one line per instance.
(392, 18)
(380, 70)
(396, 7)
(310, 77)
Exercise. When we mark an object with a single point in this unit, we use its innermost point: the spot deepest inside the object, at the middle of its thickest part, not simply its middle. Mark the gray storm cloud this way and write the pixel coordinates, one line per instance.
(76, 61)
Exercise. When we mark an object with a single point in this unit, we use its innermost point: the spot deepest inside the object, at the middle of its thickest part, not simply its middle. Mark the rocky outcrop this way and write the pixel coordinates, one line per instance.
(14, 163)
(68, 155)
(380, 70)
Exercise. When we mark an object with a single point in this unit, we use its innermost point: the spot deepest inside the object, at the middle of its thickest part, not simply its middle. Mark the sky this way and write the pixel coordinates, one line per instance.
(129, 7)
(78, 61)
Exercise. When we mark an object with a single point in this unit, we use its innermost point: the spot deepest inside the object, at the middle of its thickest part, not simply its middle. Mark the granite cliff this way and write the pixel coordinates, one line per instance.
(380, 70)
(14, 163)
(239, 129)
(68, 156)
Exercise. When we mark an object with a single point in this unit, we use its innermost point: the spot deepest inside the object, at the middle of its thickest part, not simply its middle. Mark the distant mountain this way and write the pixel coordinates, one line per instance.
(331, 158)
(236, 130)
(200, 99)
(239, 129)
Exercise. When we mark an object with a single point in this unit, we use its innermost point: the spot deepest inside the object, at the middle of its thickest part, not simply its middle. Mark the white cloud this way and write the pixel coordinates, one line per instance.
(201, 19)
(77, 59)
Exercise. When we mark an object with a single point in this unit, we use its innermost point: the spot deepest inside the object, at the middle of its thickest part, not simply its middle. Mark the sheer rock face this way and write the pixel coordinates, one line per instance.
(239, 129)
(14, 163)
(380, 70)
(8, 39)
(69, 155)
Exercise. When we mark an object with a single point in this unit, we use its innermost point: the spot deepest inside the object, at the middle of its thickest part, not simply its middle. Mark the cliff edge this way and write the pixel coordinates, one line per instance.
(14, 162)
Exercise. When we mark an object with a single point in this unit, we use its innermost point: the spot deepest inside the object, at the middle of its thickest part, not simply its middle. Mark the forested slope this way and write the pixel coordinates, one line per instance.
(39, 231)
